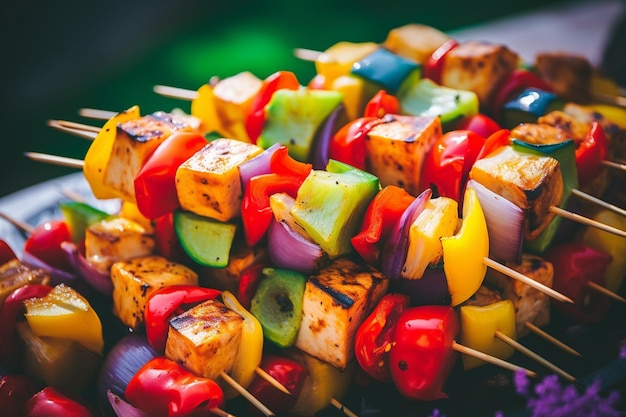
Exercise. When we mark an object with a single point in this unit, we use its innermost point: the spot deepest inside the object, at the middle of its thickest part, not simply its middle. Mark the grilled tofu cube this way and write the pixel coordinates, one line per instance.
(233, 100)
(116, 239)
(569, 75)
(415, 41)
(479, 67)
(539, 134)
(533, 183)
(336, 301)
(531, 305)
(15, 274)
(396, 150)
(205, 339)
(135, 141)
(136, 279)
(208, 183)
(241, 257)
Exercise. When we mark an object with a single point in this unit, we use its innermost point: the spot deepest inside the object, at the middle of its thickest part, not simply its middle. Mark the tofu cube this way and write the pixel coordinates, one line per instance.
(396, 150)
(208, 183)
(336, 301)
(135, 280)
(205, 339)
(415, 41)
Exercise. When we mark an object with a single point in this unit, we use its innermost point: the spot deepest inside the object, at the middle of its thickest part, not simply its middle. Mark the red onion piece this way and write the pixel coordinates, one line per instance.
(57, 276)
(289, 250)
(124, 409)
(395, 248)
(430, 289)
(505, 224)
(321, 143)
(260, 164)
(99, 281)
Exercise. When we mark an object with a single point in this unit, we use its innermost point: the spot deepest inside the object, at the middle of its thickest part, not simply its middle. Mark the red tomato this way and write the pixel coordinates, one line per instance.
(422, 356)
(448, 164)
(479, 123)
(15, 391)
(381, 104)
(51, 403)
(374, 337)
(45, 244)
(289, 373)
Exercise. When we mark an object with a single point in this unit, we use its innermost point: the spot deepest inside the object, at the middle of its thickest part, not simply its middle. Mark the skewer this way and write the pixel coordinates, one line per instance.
(518, 346)
(491, 359)
(55, 160)
(18, 223)
(599, 202)
(175, 92)
(616, 165)
(96, 114)
(267, 377)
(597, 287)
(540, 332)
(86, 133)
(609, 99)
(342, 408)
(587, 221)
(246, 394)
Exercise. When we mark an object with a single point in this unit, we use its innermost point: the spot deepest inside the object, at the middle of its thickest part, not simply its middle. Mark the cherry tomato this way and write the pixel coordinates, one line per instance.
(50, 402)
(422, 356)
(479, 123)
(15, 391)
(373, 339)
(6, 252)
(45, 244)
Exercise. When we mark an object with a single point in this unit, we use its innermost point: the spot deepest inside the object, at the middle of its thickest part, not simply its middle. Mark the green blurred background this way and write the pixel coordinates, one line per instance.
(58, 57)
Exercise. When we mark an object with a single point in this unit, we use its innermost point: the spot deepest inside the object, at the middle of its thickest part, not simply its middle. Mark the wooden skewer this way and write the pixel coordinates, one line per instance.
(609, 99)
(342, 408)
(597, 287)
(18, 223)
(615, 165)
(518, 346)
(526, 280)
(540, 332)
(83, 133)
(491, 359)
(96, 113)
(175, 92)
(55, 160)
(587, 221)
(246, 394)
(307, 54)
(261, 372)
(599, 202)
(221, 413)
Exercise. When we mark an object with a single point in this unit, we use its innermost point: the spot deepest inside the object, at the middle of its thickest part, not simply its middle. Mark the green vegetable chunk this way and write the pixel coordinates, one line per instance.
(206, 241)
(277, 304)
(79, 216)
(330, 205)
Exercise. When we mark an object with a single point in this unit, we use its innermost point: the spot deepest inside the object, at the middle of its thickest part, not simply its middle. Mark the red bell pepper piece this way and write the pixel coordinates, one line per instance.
(289, 373)
(382, 213)
(496, 140)
(348, 144)
(519, 80)
(248, 283)
(590, 153)
(9, 314)
(164, 388)
(434, 66)
(381, 104)
(155, 183)
(286, 177)
(15, 391)
(45, 244)
(373, 339)
(256, 118)
(478, 123)
(422, 356)
(449, 162)
(166, 302)
(6, 252)
(166, 240)
(575, 264)
(50, 402)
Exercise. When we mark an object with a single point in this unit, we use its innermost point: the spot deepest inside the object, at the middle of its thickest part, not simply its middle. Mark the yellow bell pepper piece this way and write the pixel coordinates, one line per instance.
(203, 107)
(99, 154)
(130, 211)
(65, 314)
(338, 59)
(251, 346)
(611, 244)
(463, 253)
(478, 329)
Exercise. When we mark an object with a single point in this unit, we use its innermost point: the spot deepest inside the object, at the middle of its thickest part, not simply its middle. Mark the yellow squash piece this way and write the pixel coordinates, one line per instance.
(99, 153)
(338, 59)
(65, 314)
(463, 253)
(478, 330)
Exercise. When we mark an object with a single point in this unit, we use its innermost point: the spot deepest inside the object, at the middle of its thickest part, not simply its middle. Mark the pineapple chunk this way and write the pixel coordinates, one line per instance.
(479, 67)
(15, 274)
(233, 101)
(136, 139)
(65, 314)
(116, 239)
(208, 183)
(396, 150)
(61, 363)
(438, 219)
(533, 183)
(136, 279)
(205, 339)
(531, 305)
(336, 301)
(415, 41)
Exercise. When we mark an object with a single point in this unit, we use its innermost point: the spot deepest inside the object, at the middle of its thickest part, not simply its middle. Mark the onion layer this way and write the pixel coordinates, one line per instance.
(289, 250)
(99, 281)
(260, 164)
